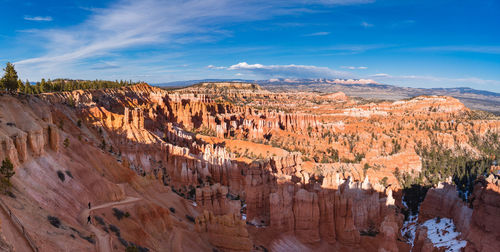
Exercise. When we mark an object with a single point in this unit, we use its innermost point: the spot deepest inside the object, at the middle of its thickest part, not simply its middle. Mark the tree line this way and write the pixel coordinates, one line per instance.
(438, 162)
(12, 83)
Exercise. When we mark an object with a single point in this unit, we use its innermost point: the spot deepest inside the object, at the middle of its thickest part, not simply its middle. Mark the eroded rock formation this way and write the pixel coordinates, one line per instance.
(321, 169)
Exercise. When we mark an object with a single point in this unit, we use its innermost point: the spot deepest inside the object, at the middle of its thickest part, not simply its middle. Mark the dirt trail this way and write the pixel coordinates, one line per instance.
(103, 238)
(12, 233)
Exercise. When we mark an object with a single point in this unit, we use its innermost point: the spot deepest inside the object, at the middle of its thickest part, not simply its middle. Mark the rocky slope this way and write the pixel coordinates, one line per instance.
(232, 168)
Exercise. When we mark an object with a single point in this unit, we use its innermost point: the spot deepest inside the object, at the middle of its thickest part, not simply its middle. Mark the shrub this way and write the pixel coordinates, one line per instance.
(114, 229)
(119, 214)
(369, 232)
(100, 220)
(384, 181)
(190, 218)
(89, 239)
(10, 194)
(192, 193)
(132, 249)
(69, 174)
(54, 221)
(123, 242)
(66, 143)
(61, 176)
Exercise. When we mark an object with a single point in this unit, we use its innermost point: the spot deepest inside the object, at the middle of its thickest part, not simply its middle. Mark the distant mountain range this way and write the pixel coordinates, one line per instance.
(472, 98)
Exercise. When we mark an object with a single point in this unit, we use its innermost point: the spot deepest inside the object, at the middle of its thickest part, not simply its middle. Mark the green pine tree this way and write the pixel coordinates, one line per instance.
(43, 86)
(20, 86)
(6, 172)
(9, 79)
(27, 87)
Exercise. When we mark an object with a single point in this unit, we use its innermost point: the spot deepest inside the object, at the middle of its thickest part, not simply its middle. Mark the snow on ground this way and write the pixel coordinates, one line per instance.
(404, 202)
(409, 228)
(442, 233)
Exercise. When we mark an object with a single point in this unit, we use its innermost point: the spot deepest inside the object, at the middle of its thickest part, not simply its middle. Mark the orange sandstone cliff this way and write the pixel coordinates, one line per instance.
(233, 167)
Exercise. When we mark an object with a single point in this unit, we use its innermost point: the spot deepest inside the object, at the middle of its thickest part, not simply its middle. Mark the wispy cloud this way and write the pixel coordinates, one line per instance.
(366, 24)
(352, 49)
(216, 67)
(433, 81)
(318, 34)
(469, 48)
(354, 67)
(38, 18)
(380, 75)
(287, 71)
(128, 25)
(105, 66)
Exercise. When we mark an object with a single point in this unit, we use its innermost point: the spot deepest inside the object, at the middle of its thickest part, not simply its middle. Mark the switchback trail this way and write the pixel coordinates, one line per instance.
(103, 239)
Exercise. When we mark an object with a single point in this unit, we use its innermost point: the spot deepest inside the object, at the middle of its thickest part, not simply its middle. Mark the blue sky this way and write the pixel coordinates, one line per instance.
(407, 43)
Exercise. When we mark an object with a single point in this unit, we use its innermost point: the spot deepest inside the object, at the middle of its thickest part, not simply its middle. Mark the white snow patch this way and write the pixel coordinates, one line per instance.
(409, 228)
(255, 222)
(243, 216)
(444, 234)
(194, 204)
(404, 203)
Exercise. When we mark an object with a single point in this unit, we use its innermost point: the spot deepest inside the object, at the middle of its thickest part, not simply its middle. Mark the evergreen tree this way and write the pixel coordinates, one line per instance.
(20, 86)
(43, 86)
(37, 88)
(6, 172)
(9, 79)
(27, 87)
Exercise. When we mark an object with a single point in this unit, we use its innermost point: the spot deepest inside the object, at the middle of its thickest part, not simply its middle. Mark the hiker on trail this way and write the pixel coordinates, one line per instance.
(89, 204)
(89, 220)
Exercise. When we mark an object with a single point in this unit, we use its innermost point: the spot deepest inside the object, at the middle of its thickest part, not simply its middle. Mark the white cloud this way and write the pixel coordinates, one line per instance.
(366, 25)
(351, 49)
(38, 18)
(354, 67)
(216, 67)
(429, 81)
(318, 34)
(128, 25)
(288, 71)
(380, 75)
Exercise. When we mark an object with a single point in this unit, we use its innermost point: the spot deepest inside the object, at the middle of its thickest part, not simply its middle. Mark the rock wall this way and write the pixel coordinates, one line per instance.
(23, 135)
(443, 201)
(215, 199)
(154, 133)
(226, 232)
(484, 234)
